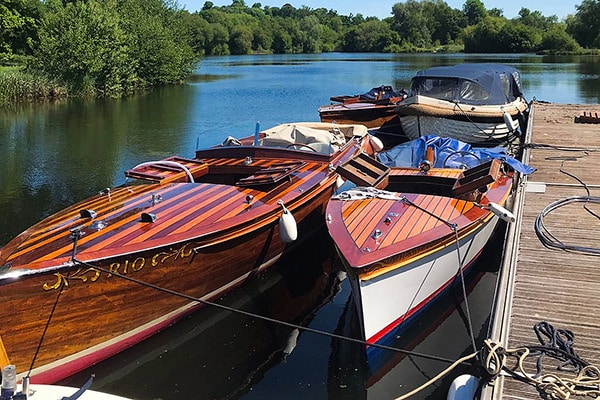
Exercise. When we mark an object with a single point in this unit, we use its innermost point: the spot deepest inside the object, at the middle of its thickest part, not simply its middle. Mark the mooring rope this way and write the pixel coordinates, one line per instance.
(39, 346)
(261, 317)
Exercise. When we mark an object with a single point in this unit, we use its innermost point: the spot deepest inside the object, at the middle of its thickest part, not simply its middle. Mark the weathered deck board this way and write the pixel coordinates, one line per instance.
(553, 285)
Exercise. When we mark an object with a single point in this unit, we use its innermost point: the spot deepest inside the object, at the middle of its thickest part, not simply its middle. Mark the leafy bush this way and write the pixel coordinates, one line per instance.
(110, 47)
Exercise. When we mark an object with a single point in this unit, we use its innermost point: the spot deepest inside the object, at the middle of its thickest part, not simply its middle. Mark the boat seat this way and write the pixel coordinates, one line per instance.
(273, 174)
(477, 178)
(172, 169)
(364, 170)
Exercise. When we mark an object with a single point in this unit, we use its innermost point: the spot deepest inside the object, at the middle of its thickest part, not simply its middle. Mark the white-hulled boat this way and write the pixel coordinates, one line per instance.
(475, 103)
(406, 233)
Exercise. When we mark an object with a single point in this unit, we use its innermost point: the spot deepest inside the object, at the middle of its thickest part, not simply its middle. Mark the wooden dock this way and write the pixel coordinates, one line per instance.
(540, 284)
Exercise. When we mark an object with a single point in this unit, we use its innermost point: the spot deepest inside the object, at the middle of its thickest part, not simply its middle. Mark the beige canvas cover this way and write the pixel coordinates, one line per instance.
(322, 137)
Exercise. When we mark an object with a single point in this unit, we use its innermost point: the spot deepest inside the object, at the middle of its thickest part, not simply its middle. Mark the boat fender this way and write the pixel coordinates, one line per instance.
(376, 143)
(339, 182)
(290, 343)
(508, 121)
(9, 381)
(463, 387)
(501, 212)
(288, 230)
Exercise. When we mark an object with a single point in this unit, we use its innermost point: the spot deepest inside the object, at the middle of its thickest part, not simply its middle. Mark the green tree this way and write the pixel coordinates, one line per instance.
(518, 38)
(556, 39)
(485, 36)
(262, 38)
(240, 40)
(370, 36)
(83, 45)
(219, 43)
(18, 26)
(159, 41)
(311, 32)
(113, 46)
(535, 19)
(200, 32)
(282, 41)
(475, 11)
(410, 21)
(585, 24)
(446, 24)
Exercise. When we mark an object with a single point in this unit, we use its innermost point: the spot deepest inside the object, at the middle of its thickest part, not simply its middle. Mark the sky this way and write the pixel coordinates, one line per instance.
(383, 8)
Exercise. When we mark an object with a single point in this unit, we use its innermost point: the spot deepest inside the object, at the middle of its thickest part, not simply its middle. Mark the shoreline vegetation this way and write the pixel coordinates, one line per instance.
(55, 49)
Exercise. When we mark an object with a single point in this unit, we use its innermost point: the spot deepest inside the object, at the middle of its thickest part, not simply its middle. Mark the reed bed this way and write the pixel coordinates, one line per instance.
(17, 85)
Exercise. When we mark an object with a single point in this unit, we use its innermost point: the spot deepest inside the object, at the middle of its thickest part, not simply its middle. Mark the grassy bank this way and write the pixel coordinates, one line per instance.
(17, 85)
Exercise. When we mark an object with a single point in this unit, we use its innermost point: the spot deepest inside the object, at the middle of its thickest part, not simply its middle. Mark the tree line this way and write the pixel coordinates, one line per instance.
(111, 47)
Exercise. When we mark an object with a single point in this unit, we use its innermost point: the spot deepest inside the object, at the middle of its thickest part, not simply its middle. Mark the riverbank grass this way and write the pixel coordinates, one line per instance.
(18, 85)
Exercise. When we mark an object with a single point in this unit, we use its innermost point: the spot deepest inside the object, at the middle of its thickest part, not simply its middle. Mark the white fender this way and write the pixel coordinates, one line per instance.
(463, 388)
(376, 143)
(501, 212)
(508, 121)
(290, 343)
(339, 182)
(288, 230)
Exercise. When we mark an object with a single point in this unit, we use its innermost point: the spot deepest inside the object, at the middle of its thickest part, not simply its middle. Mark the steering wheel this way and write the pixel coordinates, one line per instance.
(299, 146)
(462, 157)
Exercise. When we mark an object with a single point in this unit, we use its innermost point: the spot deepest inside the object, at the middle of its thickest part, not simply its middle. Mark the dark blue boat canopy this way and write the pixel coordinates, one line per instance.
(476, 84)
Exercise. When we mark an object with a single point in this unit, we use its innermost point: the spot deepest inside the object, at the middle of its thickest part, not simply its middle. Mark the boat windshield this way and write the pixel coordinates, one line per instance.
(451, 89)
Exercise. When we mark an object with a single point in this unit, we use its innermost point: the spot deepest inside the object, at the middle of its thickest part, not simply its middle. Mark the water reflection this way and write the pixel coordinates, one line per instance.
(53, 155)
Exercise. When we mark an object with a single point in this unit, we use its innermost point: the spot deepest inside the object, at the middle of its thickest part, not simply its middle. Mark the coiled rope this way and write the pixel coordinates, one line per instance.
(555, 343)
(551, 241)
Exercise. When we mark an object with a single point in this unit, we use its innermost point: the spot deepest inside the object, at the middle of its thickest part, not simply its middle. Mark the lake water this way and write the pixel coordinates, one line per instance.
(54, 155)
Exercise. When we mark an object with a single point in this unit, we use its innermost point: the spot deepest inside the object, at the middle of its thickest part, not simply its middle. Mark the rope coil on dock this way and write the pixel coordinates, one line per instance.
(555, 343)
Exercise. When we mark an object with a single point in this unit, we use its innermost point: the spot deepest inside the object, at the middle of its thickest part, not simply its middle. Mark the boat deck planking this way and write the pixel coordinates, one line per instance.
(541, 284)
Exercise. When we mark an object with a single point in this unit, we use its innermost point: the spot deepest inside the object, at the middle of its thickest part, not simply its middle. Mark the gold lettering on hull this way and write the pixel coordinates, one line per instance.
(91, 274)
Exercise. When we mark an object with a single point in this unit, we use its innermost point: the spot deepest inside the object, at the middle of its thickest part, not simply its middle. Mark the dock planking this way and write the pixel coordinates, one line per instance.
(540, 284)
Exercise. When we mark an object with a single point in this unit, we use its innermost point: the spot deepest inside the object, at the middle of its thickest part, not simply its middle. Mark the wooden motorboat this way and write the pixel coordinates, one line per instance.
(480, 104)
(374, 109)
(111, 270)
(405, 234)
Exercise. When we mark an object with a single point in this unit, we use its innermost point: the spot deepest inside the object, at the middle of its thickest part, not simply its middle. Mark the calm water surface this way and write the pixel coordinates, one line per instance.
(54, 155)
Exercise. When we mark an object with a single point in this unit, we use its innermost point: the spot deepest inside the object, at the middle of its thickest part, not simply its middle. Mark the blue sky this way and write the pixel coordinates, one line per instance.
(383, 8)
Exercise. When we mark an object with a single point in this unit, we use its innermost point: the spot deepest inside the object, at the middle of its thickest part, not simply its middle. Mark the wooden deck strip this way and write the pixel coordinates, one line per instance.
(544, 284)
(408, 217)
(376, 212)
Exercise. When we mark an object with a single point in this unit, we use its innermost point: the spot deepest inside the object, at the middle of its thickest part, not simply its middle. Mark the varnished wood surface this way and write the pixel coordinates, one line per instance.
(186, 210)
(208, 237)
(553, 285)
(352, 223)
(370, 115)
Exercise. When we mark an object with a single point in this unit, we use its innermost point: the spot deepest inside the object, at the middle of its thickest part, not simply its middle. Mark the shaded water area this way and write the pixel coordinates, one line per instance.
(53, 155)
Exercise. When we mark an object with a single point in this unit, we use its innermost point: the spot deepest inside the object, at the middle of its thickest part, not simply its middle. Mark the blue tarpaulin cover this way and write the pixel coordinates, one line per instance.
(449, 153)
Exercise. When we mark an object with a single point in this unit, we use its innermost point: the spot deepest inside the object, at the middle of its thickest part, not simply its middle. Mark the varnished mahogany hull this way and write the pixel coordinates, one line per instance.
(370, 115)
(97, 314)
(210, 232)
